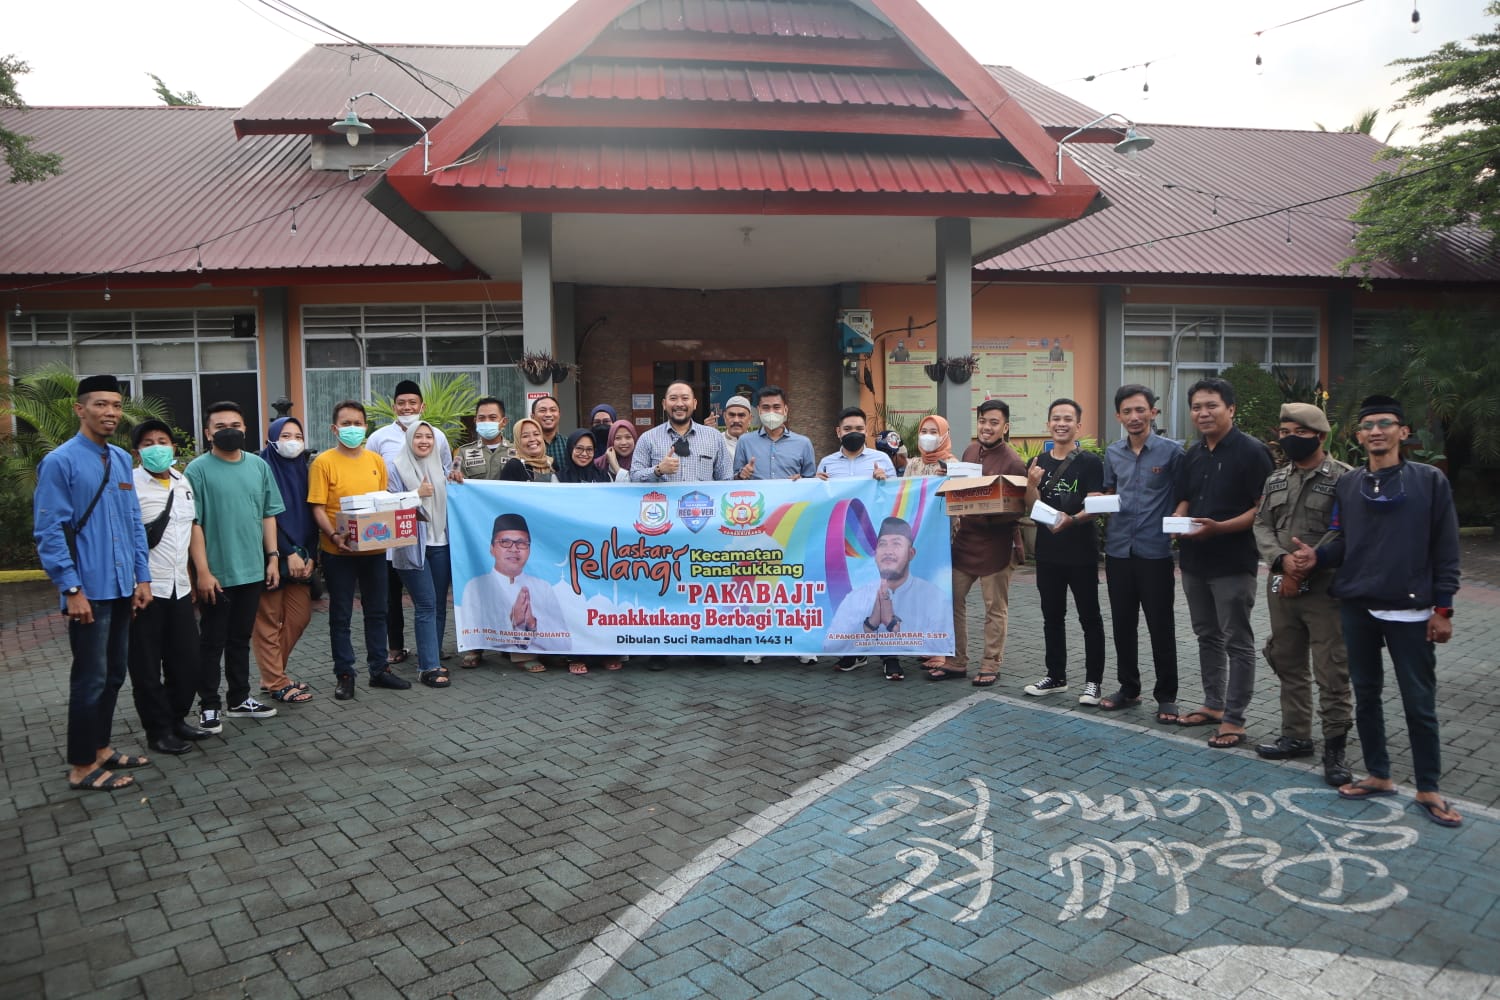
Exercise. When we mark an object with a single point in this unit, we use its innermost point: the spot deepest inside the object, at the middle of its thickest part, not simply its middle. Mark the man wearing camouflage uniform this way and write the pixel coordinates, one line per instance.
(1297, 503)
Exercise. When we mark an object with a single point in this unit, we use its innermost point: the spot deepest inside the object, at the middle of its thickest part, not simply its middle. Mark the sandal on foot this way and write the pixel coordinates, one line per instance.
(398, 656)
(1431, 809)
(985, 680)
(292, 694)
(436, 678)
(470, 660)
(934, 663)
(1199, 718)
(1227, 741)
(1167, 714)
(532, 666)
(1362, 789)
(578, 669)
(101, 780)
(613, 665)
(118, 761)
(944, 674)
(1118, 700)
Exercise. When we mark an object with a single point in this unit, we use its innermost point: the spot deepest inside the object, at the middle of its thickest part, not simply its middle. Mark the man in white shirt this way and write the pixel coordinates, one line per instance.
(895, 603)
(387, 442)
(164, 634)
(519, 608)
(855, 459)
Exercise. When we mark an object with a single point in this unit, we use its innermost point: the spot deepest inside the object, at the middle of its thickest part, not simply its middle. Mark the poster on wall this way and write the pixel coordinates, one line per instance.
(727, 379)
(767, 567)
(1026, 372)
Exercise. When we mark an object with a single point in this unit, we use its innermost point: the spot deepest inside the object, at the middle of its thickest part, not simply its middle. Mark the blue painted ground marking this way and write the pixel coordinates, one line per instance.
(1012, 844)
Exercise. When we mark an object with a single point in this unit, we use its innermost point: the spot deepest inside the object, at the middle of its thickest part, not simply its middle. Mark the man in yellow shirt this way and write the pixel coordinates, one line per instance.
(349, 470)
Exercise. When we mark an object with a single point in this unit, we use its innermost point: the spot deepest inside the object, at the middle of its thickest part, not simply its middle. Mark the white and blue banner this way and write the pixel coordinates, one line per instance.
(741, 567)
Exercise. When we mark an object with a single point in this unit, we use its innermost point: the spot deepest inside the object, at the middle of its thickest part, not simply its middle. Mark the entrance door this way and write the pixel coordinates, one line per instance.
(713, 382)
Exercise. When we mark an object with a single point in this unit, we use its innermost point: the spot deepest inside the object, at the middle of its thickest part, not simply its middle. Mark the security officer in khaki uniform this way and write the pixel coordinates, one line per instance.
(1297, 503)
(484, 457)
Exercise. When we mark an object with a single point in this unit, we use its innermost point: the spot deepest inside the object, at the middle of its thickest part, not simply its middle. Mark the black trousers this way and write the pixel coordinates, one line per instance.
(1143, 585)
(1052, 584)
(226, 626)
(395, 615)
(164, 663)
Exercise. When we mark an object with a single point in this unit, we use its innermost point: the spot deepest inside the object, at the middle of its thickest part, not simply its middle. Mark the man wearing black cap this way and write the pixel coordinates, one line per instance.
(164, 653)
(92, 544)
(1396, 550)
(387, 442)
(1297, 502)
(520, 608)
(895, 603)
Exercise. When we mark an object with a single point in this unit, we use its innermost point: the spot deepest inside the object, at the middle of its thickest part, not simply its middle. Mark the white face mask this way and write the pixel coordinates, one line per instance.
(771, 420)
(928, 442)
(290, 448)
(409, 419)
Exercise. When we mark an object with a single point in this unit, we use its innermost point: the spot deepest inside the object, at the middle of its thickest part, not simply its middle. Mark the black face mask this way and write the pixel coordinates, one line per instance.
(229, 439)
(1299, 449)
(854, 442)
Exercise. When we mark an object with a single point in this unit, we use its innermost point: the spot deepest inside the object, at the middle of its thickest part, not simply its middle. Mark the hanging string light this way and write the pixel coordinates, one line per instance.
(1146, 82)
(1260, 66)
(106, 289)
(199, 267)
(18, 309)
(1416, 18)
(1288, 228)
(294, 220)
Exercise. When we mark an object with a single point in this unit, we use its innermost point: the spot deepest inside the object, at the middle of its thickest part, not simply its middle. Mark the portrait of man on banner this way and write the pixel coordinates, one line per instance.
(898, 607)
(514, 610)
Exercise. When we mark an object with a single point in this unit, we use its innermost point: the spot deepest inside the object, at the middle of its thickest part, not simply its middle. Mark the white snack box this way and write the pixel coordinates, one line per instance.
(1176, 525)
(357, 502)
(965, 470)
(1043, 513)
(1102, 505)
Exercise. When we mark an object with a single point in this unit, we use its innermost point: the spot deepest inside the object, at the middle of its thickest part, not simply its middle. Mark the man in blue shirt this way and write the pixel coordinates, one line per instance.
(680, 450)
(1141, 468)
(775, 451)
(854, 459)
(85, 488)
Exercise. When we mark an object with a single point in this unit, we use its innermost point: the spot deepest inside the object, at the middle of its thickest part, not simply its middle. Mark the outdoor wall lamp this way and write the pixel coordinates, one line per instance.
(351, 128)
(1133, 143)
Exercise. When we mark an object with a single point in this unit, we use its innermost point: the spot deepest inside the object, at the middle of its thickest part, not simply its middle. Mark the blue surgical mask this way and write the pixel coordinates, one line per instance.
(158, 457)
(351, 437)
(487, 429)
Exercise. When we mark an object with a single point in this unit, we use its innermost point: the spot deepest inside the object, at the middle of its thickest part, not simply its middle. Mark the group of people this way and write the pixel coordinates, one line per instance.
(1359, 558)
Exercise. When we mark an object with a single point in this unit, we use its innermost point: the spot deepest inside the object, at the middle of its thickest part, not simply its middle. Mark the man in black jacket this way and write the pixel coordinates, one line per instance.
(1396, 549)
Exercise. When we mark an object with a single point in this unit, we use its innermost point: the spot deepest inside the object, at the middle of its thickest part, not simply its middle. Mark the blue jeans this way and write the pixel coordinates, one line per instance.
(343, 574)
(428, 587)
(101, 659)
(1414, 661)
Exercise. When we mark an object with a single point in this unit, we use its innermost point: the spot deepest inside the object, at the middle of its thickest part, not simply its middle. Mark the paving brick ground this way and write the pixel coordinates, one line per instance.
(773, 831)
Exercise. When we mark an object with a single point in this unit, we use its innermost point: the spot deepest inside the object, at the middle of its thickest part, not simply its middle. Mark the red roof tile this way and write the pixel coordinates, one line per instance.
(1168, 191)
(705, 164)
(755, 17)
(585, 80)
(141, 182)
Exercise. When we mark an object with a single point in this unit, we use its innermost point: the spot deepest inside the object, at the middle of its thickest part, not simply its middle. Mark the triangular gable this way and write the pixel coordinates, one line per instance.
(506, 95)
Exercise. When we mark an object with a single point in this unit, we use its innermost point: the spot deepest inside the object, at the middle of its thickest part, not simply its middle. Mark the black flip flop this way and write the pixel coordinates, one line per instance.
(1117, 701)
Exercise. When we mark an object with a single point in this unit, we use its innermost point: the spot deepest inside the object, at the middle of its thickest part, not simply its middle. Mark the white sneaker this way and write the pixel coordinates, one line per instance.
(1045, 686)
(752, 659)
(209, 719)
(250, 709)
(807, 659)
(1090, 694)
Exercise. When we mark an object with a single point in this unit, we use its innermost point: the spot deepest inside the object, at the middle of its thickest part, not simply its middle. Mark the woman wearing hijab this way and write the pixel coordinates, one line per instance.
(580, 468)
(531, 464)
(601, 419)
(424, 567)
(284, 612)
(615, 459)
(934, 448)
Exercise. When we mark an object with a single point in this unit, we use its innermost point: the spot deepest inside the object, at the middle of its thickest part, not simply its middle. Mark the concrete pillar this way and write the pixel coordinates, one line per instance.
(1111, 359)
(1341, 360)
(848, 295)
(566, 351)
(276, 358)
(537, 316)
(955, 324)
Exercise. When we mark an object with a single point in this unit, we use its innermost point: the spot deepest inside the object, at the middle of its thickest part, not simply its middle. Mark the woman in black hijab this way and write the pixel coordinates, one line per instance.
(579, 466)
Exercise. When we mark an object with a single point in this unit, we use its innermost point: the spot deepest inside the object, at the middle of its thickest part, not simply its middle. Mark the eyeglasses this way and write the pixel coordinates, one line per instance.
(513, 543)
(1389, 490)
(1385, 425)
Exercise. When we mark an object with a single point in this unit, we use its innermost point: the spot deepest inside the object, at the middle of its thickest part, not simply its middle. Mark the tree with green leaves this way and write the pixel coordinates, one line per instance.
(1364, 124)
(187, 98)
(27, 165)
(1451, 178)
(446, 400)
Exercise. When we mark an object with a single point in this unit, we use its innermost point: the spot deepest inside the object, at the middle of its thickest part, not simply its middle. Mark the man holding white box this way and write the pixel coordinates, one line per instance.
(1219, 486)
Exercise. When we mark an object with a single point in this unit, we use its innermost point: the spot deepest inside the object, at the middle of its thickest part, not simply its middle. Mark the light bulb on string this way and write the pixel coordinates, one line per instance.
(1416, 18)
(294, 220)
(1289, 228)
(1146, 82)
(199, 267)
(106, 289)
(1260, 66)
(18, 309)
(1215, 209)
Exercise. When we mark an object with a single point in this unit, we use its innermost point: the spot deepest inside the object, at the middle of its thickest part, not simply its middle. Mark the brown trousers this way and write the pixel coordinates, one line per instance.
(995, 589)
(1303, 625)
(279, 622)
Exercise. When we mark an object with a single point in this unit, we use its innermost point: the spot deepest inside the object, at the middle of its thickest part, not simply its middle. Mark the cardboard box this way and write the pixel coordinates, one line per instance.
(379, 530)
(1109, 504)
(984, 495)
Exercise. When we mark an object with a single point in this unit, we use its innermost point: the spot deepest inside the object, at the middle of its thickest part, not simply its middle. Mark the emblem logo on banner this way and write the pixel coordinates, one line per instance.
(741, 511)
(654, 520)
(695, 509)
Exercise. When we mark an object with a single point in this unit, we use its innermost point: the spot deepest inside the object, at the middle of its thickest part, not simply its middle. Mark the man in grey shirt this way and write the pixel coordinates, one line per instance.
(680, 450)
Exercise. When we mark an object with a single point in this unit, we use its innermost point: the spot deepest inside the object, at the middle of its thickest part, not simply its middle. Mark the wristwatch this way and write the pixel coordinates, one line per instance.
(73, 591)
(273, 554)
(1444, 612)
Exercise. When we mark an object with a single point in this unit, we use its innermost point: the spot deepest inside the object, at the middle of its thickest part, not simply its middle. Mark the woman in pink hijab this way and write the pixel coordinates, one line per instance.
(616, 458)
